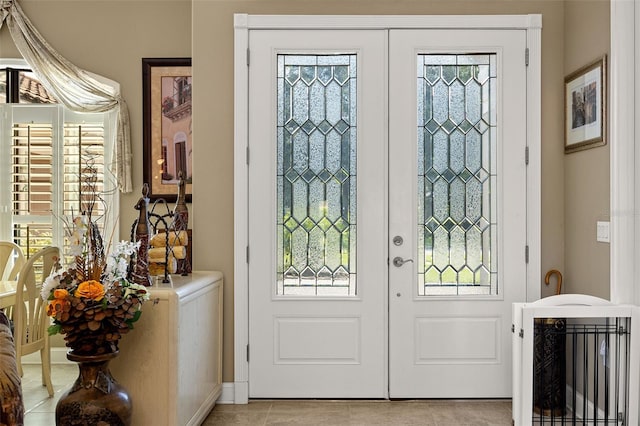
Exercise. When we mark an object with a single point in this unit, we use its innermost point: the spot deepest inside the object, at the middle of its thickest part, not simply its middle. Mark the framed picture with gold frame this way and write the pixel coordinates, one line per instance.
(585, 109)
(167, 139)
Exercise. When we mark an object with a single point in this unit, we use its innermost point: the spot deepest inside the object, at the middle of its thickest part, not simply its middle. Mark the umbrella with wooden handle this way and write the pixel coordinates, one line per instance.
(558, 275)
(549, 361)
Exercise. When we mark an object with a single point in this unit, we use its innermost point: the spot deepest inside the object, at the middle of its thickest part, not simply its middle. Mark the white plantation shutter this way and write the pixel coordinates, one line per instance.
(51, 157)
(83, 156)
(32, 195)
(32, 168)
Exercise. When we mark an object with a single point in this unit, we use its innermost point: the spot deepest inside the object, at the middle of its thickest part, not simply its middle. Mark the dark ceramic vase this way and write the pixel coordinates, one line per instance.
(95, 398)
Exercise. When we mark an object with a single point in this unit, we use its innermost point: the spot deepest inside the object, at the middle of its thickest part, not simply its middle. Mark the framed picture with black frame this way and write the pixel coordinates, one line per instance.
(167, 138)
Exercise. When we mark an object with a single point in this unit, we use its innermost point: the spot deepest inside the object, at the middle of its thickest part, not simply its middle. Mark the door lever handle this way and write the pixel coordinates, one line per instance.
(398, 261)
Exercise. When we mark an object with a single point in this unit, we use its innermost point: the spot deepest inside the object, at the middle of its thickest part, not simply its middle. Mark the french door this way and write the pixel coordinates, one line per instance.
(387, 198)
(457, 196)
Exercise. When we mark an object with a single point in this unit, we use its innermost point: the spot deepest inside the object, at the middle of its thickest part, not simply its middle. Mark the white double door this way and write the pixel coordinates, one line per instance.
(387, 211)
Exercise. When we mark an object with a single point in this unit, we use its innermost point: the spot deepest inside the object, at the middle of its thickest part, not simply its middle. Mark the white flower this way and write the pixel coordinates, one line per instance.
(77, 236)
(137, 290)
(50, 283)
(121, 268)
(125, 248)
(80, 224)
(118, 260)
(75, 245)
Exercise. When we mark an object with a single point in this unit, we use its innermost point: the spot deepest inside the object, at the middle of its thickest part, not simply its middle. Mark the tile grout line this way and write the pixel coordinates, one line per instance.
(266, 418)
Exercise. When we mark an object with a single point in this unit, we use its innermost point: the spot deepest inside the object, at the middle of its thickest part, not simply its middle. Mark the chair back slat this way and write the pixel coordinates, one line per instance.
(30, 310)
(30, 316)
(11, 260)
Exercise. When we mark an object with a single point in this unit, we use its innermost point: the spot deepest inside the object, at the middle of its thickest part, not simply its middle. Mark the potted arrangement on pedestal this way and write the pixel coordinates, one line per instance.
(93, 303)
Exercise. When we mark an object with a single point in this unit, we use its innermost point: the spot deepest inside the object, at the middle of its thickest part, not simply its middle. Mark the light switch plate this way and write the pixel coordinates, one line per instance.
(602, 232)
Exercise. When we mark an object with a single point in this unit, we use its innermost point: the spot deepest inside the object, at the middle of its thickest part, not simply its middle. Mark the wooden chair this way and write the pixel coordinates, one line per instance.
(11, 260)
(30, 311)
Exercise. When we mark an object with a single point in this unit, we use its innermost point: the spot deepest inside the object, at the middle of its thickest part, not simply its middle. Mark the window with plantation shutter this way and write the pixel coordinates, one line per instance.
(83, 169)
(32, 170)
(53, 166)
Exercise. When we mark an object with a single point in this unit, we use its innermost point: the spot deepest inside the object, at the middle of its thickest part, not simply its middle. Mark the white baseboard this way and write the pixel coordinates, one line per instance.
(580, 401)
(58, 356)
(228, 394)
(241, 393)
(234, 393)
(206, 407)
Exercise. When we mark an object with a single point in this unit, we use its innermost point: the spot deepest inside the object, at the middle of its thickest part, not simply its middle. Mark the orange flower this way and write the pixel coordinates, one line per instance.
(91, 289)
(58, 305)
(60, 293)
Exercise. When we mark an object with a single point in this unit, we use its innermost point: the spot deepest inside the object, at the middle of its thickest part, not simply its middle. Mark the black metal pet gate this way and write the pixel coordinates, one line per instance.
(575, 363)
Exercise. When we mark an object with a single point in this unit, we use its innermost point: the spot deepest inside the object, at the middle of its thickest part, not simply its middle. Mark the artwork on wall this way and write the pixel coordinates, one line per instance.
(585, 101)
(167, 137)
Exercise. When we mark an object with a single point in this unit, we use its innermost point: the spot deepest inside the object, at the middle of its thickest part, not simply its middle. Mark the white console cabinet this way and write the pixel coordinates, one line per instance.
(171, 362)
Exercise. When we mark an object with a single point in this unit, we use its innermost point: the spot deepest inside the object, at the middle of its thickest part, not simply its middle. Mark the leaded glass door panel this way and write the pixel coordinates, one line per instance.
(457, 196)
(317, 226)
(317, 134)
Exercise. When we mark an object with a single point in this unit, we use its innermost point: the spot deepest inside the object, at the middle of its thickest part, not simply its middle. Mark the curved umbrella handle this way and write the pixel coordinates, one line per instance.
(558, 276)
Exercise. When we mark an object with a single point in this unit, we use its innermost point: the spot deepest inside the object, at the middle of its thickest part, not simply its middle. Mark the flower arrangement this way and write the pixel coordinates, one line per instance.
(93, 303)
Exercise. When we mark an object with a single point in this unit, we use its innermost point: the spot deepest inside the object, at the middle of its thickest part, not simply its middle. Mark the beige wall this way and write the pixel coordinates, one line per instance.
(586, 173)
(110, 38)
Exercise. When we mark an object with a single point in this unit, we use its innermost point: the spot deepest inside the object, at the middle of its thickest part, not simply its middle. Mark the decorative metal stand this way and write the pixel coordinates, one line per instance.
(170, 221)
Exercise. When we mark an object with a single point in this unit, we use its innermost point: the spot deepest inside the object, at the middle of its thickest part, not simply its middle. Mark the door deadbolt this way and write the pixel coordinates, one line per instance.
(397, 240)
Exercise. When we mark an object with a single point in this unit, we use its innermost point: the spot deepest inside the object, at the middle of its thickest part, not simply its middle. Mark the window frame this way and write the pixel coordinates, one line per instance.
(58, 115)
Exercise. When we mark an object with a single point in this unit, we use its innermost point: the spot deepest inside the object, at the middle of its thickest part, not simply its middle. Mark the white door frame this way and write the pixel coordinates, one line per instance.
(624, 113)
(625, 158)
(243, 23)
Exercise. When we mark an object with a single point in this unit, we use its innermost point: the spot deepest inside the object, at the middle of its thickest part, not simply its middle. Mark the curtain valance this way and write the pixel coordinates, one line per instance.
(70, 85)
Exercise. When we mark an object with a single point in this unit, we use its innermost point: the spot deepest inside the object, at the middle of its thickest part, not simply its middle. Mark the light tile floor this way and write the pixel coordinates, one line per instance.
(356, 412)
(40, 409)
